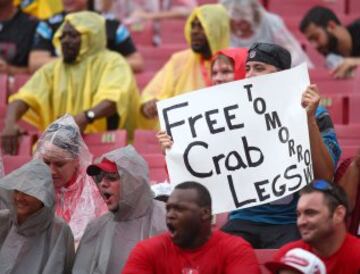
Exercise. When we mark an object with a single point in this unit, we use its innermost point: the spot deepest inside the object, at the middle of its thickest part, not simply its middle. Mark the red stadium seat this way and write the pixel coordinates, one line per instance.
(348, 134)
(155, 58)
(219, 220)
(172, 32)
(14, 162)
(337, 106)
(144, 78)
(335, 86)
(296, 7)
(100, 143)
(263, 256)
(349, 151)
(17, 81)
(354, 7)
(203, 2)
(3, 89)
(157, 167)
(320, 74)
(145, 141)
(354, 109)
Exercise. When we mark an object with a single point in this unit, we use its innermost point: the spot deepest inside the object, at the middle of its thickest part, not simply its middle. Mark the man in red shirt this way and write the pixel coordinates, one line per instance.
(190, 246)
(321, 211)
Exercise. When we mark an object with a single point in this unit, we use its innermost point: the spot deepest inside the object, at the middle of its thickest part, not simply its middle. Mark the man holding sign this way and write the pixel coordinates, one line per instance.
(271, 225)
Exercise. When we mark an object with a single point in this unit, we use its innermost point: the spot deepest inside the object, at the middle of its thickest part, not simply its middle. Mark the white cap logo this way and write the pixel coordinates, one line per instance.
(252, 54)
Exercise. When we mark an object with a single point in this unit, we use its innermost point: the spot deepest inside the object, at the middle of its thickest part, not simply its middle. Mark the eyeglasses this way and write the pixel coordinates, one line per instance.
(107, 176)
(325, 186)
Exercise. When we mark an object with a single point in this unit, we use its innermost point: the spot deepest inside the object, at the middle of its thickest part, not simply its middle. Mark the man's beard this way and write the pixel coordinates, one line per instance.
(333, 42)
(203, 50)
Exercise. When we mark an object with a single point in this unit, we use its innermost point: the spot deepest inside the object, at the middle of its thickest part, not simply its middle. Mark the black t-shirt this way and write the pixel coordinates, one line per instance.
(354, 29)
(118, 36)
(16, 37)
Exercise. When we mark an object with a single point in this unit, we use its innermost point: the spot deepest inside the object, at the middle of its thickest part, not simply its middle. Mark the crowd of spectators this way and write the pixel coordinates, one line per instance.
(66, 212)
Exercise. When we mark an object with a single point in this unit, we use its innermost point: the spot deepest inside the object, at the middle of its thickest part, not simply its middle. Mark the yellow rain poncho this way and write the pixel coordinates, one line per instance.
(97, 74)
(42, 9)
(183, 72)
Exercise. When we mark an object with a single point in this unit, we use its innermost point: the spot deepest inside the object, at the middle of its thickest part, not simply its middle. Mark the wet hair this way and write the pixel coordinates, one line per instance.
(334, 194)
(320, 16)
(225, 59)
(203, 194)
(65, 137)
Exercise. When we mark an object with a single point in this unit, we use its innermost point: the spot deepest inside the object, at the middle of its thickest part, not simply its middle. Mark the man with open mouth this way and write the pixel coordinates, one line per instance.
(190, 246)
(122, 178)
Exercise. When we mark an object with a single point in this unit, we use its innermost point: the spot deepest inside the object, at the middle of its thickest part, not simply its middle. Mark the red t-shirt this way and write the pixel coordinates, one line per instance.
(344, 261)
(221, 254)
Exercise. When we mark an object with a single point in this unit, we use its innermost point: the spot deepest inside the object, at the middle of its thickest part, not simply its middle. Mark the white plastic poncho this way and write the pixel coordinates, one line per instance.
(267, 27)
(108, 240)
(77, 201)
(43, 243)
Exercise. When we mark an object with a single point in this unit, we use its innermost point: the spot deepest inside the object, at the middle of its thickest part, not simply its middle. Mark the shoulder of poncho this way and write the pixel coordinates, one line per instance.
(98, 223)
(181, 55)
(58, 224)
(109, 56)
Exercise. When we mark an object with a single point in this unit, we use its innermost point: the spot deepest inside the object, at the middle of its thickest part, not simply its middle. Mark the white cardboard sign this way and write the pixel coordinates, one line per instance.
(246, 141)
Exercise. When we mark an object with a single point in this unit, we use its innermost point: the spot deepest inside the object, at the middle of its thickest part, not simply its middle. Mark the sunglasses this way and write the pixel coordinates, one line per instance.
(325, 186)
(107, 176)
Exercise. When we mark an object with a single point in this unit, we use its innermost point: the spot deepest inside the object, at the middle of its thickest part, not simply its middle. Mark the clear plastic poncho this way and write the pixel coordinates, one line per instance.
(78, 200)
(267, 27)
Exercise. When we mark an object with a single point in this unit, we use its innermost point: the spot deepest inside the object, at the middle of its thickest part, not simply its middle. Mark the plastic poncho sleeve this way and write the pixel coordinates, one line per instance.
(118, 84)
(162, 85)
(66, 254)
(35, 93)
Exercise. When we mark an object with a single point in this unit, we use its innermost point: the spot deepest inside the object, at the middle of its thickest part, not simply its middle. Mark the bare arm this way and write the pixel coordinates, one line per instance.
(39, 58)
(105, 108)
(11, 132)
(322, 161)
(135, 61)
(345, 69)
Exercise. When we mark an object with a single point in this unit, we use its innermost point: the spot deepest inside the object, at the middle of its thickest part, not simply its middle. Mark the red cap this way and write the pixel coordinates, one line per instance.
(105, 165)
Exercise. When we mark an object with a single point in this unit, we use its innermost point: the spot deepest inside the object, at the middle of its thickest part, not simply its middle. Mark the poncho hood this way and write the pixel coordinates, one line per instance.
(91, 26)
(136, 195)
(215, 21)
(34, 179)
(238, 56)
